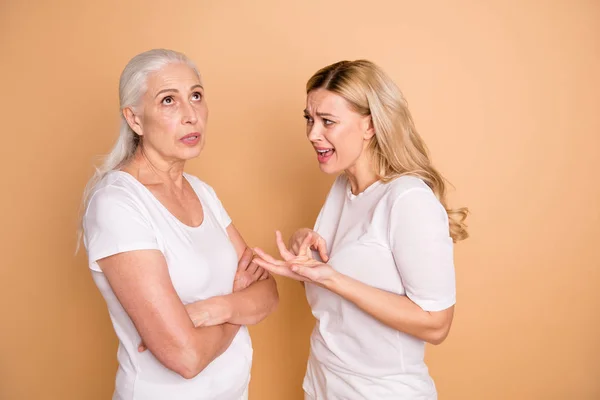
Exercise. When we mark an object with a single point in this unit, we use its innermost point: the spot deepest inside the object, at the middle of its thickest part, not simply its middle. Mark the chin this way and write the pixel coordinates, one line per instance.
(329, 169)
(192, 153)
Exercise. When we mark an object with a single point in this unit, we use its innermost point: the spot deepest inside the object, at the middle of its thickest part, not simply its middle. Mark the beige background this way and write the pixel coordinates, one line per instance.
(505, 93)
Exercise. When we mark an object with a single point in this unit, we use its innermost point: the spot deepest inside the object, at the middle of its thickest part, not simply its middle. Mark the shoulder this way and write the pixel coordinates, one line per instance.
(114, 187)
(412, 194)
(406, 184)
(199, 185)
(115, 196)
(205, 192)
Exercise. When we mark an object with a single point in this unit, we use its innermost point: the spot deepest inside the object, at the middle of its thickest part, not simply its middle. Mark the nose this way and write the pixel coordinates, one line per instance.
(314, 132)
(190, 114)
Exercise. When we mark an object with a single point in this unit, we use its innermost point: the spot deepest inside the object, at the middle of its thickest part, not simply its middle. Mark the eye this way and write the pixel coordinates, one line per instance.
(196, 96)
(327, 122)
(167, 100)
(308, 119)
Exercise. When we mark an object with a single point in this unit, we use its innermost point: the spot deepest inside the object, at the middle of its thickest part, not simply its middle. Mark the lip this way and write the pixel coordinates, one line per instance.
(324, 158)
(189, 135)
(191, 139)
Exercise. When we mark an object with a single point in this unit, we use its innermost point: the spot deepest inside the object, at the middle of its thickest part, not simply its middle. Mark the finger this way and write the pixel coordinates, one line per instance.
(245, 260)
(322, 249)
(294, 248)
(258, 271)
(265, 275)
(252, 268)
(266, 257)
(142, 347)
(242, 280)
(283, 250)
(275, 269)
(305, 245)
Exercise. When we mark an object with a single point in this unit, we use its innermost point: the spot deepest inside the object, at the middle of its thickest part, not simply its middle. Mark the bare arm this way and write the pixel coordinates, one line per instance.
(141, 282)
(394, 310)
(248, 306)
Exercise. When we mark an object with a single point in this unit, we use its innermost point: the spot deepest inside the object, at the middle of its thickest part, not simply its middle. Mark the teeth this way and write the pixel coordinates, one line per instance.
(323, 151)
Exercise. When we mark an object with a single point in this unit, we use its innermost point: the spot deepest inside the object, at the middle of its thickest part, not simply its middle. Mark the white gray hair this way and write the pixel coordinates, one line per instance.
(132, 86)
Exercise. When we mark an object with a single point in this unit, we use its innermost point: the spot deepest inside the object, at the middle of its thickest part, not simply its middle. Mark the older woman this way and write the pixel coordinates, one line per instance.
(381, 283)
(174, 271)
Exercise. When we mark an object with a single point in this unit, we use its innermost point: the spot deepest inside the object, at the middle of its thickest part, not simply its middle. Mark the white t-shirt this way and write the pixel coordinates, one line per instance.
(123, 215)
(393, 236)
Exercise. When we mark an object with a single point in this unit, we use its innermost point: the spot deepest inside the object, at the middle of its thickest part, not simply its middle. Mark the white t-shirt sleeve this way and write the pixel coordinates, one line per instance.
(114, 223)
(423, 249)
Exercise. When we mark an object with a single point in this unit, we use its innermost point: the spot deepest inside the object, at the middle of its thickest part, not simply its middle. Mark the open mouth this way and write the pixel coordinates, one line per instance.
(324, 154)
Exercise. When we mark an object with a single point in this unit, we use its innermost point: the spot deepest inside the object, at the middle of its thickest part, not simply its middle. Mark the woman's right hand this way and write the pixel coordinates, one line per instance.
(316, 243)
(247, 272)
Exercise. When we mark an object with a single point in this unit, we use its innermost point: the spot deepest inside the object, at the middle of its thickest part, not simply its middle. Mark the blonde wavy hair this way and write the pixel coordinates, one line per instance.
(396, 149)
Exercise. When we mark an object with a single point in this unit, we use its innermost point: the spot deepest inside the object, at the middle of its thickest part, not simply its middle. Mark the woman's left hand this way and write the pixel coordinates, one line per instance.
(302, 267)
(210, 312)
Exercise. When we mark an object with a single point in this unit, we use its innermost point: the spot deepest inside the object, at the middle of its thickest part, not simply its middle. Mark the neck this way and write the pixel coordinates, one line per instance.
(361, 175)
(151, 168)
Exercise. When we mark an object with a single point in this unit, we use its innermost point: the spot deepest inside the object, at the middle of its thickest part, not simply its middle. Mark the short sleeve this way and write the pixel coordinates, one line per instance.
(217, 208)
(423, 249)
(114, 223)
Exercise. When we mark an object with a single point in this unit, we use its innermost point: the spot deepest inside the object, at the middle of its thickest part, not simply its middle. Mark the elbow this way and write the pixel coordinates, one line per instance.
(274, 300)
(190, 364)
(186, 361)
(437, 335)
(190, 372)
(270, 307)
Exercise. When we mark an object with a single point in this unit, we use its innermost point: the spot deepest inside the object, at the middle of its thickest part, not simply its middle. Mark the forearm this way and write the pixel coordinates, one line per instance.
(394, 310)
(253, 304)
(213, 342)
(245, 307)
(206, 345)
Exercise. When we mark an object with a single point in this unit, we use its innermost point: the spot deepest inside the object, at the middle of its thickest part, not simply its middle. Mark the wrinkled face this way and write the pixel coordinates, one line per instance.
(172, 115)
(338, 133)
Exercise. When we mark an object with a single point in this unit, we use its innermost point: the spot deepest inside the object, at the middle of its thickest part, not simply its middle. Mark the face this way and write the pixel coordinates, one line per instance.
(339, 134)
(172, 115)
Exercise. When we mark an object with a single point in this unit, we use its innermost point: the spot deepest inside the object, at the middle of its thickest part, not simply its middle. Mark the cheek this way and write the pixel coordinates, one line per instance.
(348, 144)
(202, 112)
(158, 126)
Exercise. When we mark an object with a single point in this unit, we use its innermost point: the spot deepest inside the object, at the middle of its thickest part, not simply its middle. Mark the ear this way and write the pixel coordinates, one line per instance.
(369, 129)
(133, 121)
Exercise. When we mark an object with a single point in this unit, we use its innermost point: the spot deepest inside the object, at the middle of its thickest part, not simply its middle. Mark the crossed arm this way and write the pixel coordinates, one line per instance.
(141, 282)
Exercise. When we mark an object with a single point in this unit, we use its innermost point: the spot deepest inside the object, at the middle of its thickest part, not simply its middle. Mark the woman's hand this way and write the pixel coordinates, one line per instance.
(212, 311)
(316, 242)
(217, 310)
(247, 272)
(300, 266)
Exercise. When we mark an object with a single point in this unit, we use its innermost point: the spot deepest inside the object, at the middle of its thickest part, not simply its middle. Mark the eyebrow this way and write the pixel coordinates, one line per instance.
(320, 114)
(176, 91)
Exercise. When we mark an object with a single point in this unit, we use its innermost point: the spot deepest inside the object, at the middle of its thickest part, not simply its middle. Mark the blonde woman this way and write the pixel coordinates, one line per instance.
(381, 280)
(175, 273)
